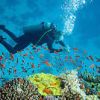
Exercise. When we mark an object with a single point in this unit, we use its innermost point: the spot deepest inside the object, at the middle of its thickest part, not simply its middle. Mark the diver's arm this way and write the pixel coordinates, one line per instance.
(65, 47)
(52, 49)
(62, 43)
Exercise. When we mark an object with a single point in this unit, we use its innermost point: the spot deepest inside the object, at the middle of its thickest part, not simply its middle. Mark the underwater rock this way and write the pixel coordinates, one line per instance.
(19, 89)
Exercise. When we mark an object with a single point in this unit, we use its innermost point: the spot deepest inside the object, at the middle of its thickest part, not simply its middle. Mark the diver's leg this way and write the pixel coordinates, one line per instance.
(20, 46)
(8, 47)
(11, 35)
(17, 39)
(2, 27)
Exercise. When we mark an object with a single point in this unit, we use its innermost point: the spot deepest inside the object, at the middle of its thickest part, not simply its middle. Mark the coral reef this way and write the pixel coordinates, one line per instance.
(92, 97)
(90, 78)
(42, 86)
(19, 89)
(92, 84)
(74, 89)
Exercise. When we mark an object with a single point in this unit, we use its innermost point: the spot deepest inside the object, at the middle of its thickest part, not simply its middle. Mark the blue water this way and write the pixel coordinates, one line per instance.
(78, 19)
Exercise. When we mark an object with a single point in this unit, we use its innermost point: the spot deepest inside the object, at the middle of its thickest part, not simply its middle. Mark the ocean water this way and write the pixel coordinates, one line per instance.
(79, 20)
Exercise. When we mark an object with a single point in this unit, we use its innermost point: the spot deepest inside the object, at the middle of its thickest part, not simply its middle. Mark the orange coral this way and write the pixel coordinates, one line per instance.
(47, 91)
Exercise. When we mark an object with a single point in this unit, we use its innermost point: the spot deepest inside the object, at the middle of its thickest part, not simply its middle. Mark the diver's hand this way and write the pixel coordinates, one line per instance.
(2, 27)
(67, 49)
(56, 50)
(60, 50)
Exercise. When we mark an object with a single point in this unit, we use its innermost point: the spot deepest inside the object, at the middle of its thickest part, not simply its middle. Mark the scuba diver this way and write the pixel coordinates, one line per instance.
(35, 34)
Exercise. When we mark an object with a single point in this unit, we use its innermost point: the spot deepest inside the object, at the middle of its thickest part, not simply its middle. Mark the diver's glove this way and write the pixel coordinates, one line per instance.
(2, 27)
(67, 48)
(59, 50)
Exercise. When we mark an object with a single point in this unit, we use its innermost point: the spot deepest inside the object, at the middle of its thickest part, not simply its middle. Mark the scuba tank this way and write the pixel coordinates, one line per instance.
(42, 27)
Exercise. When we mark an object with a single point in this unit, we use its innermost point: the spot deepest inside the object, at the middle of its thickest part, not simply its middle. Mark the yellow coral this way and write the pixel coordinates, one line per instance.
(47, 84)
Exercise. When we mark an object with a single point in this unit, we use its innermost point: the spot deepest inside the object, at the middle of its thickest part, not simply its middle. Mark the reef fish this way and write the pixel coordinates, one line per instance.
(1, 57)
(92, 65)
(31, 57)
(2, 65)
(32, 65)
(11, 56)
(91, 58)
(97, 59)
(47, 63)
(26, 54)
(14, 70)
(75, 49)
(24, 70)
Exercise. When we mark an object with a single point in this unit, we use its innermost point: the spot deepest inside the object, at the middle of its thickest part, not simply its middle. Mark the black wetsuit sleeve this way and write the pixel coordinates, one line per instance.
(50, 46)
(52, 50)
(62, 43)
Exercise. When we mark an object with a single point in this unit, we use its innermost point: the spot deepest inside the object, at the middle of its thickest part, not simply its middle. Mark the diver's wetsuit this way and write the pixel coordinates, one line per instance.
(32, 34)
